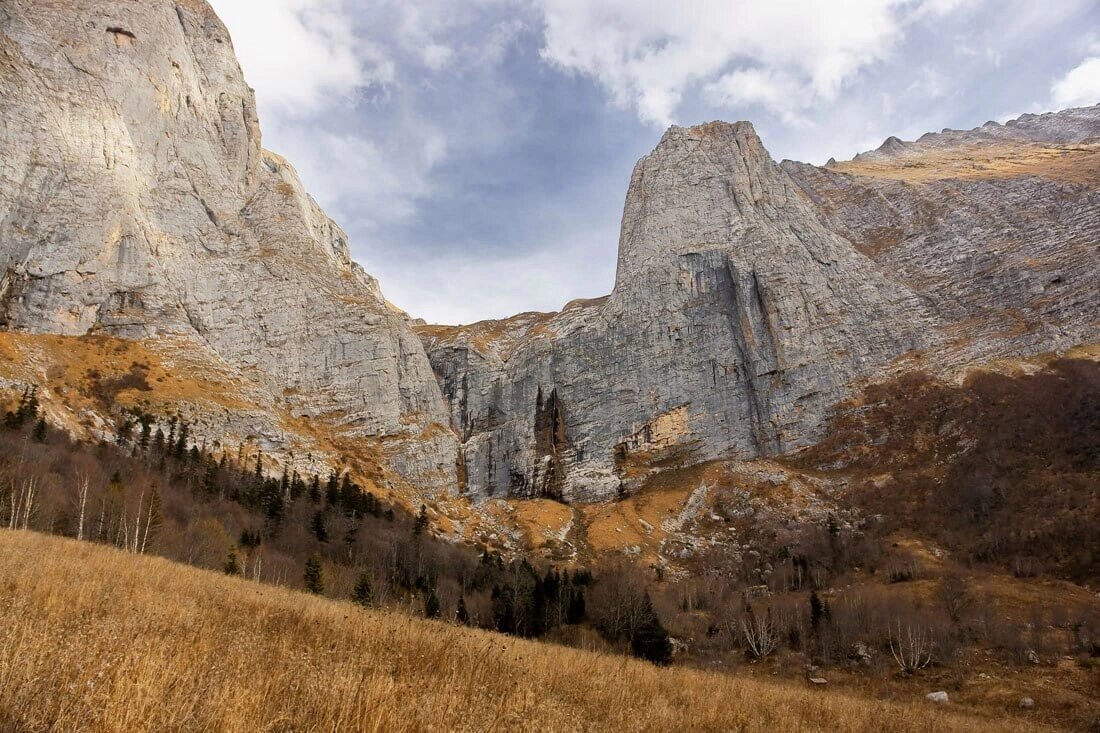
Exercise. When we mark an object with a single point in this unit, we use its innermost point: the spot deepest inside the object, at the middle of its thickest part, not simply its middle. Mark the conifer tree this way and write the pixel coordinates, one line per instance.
(332, 489)
(363, 590)
(39, 433)
(314, 575)
(180, 448)
(461, 614)
(817, 610)
(431, 604)
(650, 640)
(232, 565)
(576, 611)
(318, 526)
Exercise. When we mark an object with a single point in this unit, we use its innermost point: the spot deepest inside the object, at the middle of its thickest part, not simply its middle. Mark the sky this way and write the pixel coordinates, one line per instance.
(478, 152)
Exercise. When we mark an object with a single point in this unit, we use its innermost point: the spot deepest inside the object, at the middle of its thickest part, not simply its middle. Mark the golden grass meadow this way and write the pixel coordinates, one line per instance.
(94, 639)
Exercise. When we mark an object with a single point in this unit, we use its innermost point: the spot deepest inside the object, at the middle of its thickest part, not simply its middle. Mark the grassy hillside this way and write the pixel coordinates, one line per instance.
(97, 639)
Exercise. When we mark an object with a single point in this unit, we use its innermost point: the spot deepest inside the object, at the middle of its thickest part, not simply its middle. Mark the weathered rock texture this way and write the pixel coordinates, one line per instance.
(997, 228)
(136, 200)
(750, 298)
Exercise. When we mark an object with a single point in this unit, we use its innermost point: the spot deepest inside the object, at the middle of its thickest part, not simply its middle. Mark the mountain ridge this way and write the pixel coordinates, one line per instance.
(751, 297)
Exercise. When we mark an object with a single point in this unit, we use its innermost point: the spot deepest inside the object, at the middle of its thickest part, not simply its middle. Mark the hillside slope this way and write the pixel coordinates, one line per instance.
(97, 640)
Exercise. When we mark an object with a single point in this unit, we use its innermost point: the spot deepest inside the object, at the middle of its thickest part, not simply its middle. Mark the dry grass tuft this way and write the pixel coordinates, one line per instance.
(98, 640)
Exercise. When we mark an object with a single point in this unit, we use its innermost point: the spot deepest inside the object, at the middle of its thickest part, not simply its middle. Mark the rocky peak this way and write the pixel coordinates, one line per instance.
(136, 200)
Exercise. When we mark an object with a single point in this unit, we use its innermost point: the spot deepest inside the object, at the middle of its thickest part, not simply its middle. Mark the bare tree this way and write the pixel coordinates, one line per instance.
(83, 494)
(911, 647)
(954, 594)
(760, 632)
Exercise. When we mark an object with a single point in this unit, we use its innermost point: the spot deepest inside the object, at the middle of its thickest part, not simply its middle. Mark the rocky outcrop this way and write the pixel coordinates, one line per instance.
(995, 228)
(136, 200)
(750, 298)
(736, 320)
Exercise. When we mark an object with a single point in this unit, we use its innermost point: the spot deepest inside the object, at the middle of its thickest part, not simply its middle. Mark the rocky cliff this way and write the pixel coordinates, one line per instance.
(137, 204)
(750, 298)
(136, 201)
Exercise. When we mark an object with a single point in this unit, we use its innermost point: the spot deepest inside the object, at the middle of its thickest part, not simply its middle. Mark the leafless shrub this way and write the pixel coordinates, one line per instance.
(911, 646)
(760, 632)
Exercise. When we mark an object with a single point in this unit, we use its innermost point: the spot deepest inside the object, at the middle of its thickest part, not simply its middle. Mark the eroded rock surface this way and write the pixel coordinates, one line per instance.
(136, 200)
(736, 320)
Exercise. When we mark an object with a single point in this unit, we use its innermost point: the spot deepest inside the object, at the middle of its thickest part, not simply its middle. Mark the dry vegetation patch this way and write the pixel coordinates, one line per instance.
(99, 640)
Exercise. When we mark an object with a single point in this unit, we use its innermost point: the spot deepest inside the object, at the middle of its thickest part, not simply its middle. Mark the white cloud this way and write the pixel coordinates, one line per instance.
(649, 53)
(300, 55)
(1080, 87)
(776, 90)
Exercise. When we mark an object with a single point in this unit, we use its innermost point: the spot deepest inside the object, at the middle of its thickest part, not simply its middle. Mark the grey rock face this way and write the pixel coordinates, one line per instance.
(136, 200)
(736, 320)
(995, 228)
(750, 298)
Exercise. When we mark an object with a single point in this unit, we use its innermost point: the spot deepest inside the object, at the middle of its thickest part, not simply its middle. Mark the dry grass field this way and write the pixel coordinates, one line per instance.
(93, 639)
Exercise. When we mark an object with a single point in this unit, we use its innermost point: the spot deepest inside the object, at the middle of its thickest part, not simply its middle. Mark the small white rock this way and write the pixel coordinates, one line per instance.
(1027, 703)
(939, 697)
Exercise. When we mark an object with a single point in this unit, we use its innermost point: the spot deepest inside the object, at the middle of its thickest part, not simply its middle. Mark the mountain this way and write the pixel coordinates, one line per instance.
(145, 231)
(752, 298)
(136, 201)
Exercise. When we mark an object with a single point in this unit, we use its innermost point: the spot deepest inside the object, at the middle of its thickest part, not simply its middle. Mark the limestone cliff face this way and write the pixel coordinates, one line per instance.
(750, 298)
(996, 228)
(736, 320)
(136, 200)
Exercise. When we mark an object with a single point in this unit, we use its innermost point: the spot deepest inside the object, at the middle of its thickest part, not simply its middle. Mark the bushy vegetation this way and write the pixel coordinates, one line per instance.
(156, 491)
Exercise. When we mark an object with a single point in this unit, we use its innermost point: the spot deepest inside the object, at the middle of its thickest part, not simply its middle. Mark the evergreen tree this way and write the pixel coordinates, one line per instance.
(318, 526)
(180, 448)
(39, 433)
(332, 489)
(576, 611)
(461, 614)
(158, 441)
(817, 610)
(315, 489)
(650, 640)
(210, 480)
(232, 565)
(314, 575)
(431, 604)
(363, 591)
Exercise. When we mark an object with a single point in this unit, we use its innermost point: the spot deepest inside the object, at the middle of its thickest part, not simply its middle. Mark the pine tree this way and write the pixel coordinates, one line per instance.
(314, 575)
(315, 490)
(180, 448)
(146, 433)
(650, 640)
(332, 490)
(431, 604)
(39, 433)
(817, 610)
(363, 591)
(318, 526)
(576, 611)
(461, 614)
(232, 565)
